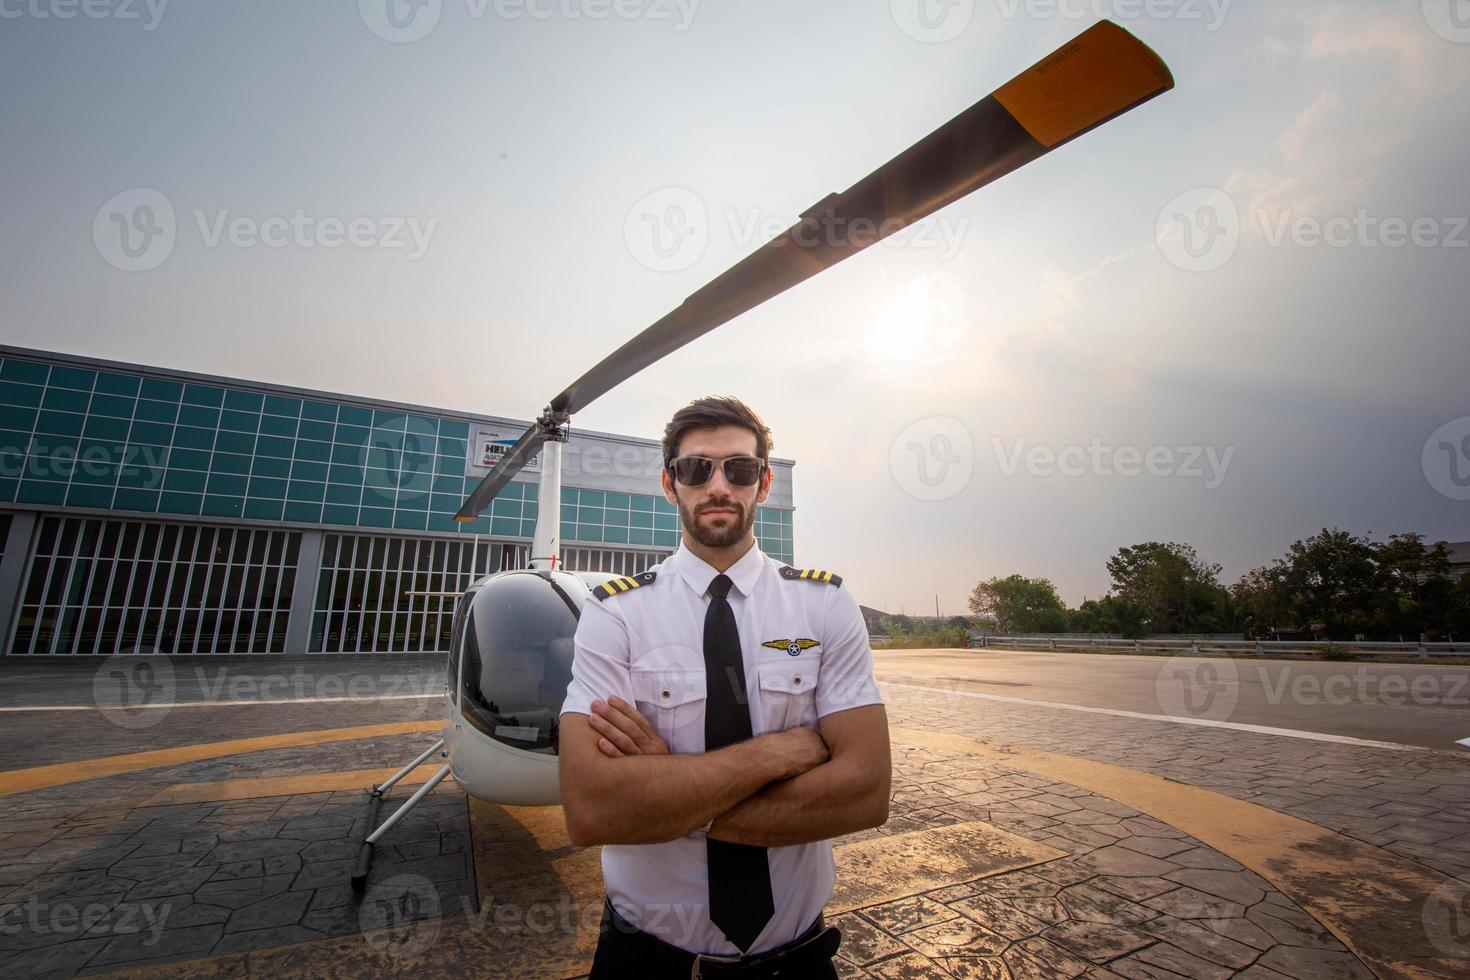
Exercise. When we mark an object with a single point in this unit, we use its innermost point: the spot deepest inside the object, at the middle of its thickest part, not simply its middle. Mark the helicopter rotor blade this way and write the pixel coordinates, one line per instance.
(1097, 76)
(525, 450)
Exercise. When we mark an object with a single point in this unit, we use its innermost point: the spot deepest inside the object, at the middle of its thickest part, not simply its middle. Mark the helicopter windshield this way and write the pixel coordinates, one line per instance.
(517, 653)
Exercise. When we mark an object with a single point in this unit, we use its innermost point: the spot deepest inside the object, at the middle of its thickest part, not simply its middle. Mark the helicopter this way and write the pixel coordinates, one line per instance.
(511, 651)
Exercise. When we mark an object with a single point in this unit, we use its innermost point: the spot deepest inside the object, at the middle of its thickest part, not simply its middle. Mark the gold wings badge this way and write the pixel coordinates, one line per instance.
(793, 647)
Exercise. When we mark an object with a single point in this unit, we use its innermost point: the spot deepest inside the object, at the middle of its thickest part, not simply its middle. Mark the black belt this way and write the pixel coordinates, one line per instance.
(815, 947)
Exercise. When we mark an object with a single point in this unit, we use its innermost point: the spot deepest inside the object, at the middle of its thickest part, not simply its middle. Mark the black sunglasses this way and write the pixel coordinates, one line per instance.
(695, 471)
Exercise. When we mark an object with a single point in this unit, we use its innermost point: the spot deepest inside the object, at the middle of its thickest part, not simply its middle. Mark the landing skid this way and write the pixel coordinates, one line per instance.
(375, 799)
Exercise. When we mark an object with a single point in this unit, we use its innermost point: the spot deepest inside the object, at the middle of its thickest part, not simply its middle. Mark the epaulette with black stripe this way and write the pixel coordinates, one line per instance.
(810, 575)
(618, 586)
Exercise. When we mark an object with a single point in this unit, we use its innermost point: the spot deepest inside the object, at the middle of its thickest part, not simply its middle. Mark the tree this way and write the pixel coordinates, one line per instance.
(1261, 594)
(1020, 605)
(1233, 616)
(1417, 591)
(1330, 579)
(1459, 620)
(1107, 615)
(1176, 590)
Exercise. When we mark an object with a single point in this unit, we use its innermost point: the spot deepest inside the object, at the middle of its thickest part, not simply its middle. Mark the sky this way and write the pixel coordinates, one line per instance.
(1230, 318)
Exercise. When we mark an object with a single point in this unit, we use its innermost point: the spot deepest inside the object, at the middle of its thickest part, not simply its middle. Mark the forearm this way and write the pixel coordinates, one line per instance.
(649, 799)
(840, 797)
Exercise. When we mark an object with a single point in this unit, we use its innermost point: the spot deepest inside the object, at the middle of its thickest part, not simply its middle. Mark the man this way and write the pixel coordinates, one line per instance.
(721, 726)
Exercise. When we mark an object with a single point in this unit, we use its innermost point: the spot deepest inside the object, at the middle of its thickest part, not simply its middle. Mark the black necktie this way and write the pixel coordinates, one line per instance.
(740, 900)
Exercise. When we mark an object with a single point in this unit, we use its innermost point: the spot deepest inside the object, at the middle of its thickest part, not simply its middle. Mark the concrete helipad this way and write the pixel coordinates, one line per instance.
(1033, 834)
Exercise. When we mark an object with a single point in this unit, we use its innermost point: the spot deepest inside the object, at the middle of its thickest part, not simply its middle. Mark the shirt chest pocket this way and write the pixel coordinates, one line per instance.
(789, 691)
(672, 699)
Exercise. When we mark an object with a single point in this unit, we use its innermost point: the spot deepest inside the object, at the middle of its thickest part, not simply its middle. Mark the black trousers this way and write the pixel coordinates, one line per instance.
(615, 961)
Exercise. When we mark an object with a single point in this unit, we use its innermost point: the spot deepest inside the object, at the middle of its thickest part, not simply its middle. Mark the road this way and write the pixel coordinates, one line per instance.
(1405, 704)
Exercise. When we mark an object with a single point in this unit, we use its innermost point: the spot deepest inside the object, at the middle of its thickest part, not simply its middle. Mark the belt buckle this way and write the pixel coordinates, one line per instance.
(694, 970)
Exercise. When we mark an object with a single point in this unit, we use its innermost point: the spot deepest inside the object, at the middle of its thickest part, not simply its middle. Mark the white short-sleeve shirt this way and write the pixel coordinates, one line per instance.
(806, 654)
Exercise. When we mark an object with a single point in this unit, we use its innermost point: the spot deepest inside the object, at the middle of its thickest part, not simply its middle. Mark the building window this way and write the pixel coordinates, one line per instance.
(380, 594)
(614, 562)
(98, 586)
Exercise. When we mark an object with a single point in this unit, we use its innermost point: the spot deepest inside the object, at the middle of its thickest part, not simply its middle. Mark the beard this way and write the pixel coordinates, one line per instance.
(733, 532)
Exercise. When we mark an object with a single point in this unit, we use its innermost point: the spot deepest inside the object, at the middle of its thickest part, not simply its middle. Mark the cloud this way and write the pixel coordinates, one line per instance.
(1373, 35)
(1381, 72)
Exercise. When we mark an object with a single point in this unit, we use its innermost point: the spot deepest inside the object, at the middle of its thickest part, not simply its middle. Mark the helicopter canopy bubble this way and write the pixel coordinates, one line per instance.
(517, 657)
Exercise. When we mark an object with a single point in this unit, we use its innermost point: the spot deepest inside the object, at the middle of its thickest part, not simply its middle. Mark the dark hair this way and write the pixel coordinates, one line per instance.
(711, 413)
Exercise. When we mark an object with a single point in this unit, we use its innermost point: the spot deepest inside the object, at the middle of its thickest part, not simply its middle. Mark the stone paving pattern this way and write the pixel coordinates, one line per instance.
(85, 735)
(1134, 897)
(218, 877)
(1414, 803)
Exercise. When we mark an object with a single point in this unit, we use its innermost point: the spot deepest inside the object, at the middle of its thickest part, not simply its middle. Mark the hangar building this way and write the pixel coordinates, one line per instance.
(149, 510)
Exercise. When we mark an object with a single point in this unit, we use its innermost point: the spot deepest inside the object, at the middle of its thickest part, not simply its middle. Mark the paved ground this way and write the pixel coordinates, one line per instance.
(1425, 705)
(1024, 841)
(130, 681)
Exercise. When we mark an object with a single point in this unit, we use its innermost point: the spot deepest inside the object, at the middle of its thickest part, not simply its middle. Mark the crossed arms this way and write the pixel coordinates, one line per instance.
(620, 785)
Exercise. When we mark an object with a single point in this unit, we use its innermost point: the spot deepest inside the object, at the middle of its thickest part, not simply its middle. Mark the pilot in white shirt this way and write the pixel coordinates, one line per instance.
(806, 654)
(720, 728)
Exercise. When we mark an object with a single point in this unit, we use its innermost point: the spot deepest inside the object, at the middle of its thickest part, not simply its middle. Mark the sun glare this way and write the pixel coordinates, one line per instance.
(912, 325)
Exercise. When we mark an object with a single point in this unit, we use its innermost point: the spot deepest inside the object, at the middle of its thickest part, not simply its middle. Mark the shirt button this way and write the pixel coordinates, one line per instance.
(798, 680)
(666, 695)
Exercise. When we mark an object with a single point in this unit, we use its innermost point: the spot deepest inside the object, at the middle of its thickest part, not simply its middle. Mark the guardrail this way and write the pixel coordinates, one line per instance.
(1259, 648)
